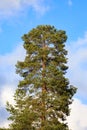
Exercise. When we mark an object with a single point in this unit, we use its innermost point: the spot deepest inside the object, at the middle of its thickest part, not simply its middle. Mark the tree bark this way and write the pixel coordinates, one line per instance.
(44, 88)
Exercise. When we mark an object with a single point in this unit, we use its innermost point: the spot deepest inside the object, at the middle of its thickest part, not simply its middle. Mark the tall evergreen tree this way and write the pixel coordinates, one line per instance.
(44, 94)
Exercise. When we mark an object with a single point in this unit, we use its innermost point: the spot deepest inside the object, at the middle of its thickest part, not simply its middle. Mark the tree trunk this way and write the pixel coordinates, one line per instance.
(44, 89)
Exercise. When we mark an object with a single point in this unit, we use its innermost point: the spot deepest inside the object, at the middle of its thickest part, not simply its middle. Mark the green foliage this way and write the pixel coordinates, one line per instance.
(43, 95)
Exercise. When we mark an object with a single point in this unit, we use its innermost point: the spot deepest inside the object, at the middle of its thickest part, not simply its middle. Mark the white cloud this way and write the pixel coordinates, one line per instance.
(38, 5)
(7, 95)
(77, 58)
(78, 117)
(12, 7)
(10, 59)
(8, 80)
(7, 66)
(80, 41)
(4, 124)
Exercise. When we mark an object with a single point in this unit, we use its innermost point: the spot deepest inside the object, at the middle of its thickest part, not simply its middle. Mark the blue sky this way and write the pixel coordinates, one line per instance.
(20, 16)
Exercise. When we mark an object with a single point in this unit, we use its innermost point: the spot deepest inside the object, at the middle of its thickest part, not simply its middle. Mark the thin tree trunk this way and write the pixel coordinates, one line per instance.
(44, 90)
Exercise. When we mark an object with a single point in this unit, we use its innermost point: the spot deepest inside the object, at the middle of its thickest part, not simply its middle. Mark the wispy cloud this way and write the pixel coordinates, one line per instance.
(12, 7)
(8, 78)
(70, 2)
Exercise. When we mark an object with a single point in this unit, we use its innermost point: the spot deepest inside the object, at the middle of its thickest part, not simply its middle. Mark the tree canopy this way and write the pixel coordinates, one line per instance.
(44, 94)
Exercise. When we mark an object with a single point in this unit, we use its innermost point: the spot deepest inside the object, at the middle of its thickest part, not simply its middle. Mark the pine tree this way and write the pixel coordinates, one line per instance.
(43, 94)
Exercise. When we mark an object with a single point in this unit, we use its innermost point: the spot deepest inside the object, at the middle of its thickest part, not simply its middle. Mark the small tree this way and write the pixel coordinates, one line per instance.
(43, 95)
